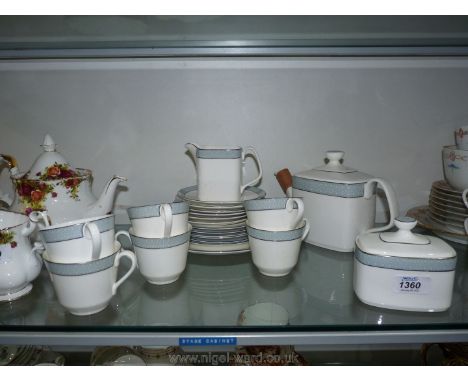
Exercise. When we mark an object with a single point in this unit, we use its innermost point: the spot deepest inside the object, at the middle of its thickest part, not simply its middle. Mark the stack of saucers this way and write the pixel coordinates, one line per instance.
(218, 227)
(447, 208)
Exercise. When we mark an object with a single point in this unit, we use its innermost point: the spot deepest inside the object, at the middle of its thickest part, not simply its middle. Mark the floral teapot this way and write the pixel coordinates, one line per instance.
(52, 185)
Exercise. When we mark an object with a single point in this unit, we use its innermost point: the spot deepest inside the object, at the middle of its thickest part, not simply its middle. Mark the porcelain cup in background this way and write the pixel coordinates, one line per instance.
(159, 220)
(219, 171)
(275, 253)
(275, 214)
(160, 260)
(264, 313)
(455, 167)
(78, 241)
(461, 138)
(87, 288)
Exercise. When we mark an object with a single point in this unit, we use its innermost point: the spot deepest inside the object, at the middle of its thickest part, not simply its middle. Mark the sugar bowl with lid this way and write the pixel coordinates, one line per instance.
(403, 270)
(53, 185)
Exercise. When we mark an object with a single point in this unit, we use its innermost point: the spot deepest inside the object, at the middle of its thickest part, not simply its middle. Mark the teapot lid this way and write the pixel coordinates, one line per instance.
(404, 243)
(50, 163)
(334, 171)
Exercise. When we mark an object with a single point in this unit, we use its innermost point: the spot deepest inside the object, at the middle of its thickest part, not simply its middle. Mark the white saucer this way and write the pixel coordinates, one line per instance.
(16, 295)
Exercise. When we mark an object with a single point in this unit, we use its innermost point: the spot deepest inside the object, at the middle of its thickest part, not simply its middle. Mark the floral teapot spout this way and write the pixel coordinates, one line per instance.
(52, 185)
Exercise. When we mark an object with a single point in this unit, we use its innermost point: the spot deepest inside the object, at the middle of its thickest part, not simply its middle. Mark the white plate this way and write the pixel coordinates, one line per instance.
(190, 194)
(451, 225)
(447, 207)
(451, 218)
(216, 213)
(217, 248)
(443, 187)
(231, 252)
(450, 215)
(422, 215)
(127, 360)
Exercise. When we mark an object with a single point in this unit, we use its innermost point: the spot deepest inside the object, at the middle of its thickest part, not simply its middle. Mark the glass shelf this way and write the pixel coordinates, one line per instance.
(153, 36)
(212, 292)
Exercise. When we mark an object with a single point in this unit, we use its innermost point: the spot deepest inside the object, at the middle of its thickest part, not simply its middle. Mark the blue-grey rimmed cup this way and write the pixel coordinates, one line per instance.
(79, 241)
(160, 260)
(276, 253)
(159, 220)
(275, 214)
(87, 288)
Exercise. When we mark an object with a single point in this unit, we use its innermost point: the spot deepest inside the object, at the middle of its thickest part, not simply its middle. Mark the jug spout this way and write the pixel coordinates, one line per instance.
(104, 204)
(192, 148)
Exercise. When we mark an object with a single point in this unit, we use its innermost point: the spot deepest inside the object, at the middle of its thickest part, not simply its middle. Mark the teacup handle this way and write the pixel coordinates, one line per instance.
(300, 209)
(91, 231)
(306, 230)
(465, 192)
(251, 151)
(130, 255)
(125, 233)
(391, 199)
(165, 211)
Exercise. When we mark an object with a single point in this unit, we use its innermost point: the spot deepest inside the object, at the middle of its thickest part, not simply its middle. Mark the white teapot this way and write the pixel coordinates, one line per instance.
(52, 185)
(339, 202)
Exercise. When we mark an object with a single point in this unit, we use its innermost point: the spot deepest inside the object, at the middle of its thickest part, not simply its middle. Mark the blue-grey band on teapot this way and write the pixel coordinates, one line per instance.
(342, 190)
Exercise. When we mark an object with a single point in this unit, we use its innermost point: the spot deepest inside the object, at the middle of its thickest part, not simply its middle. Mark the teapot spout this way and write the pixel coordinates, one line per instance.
(104, 204)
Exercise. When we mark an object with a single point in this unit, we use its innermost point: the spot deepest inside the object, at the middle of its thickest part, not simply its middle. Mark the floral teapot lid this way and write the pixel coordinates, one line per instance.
(50, 163)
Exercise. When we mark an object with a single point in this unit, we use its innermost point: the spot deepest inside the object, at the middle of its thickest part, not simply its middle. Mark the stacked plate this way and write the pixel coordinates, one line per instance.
(218, 227)
(446, 213)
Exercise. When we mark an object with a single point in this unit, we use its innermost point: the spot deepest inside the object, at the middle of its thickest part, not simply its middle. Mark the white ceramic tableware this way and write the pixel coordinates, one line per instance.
(219, 171)
(275, 214)
(79, 241)
(455, 163)
(465, 200)
(339, 202)
(404, 271)
(87, 288)
(20, 263)
(159, 220)
(264, 314)
(53, 185)
(461, 138)
(160, 260)
(275, 253)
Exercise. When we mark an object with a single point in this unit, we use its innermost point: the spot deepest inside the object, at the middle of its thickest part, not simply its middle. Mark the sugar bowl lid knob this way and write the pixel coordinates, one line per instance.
(405, 223)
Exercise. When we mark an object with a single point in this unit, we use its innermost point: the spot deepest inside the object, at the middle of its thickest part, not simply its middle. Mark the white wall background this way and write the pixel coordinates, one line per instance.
(133, 117)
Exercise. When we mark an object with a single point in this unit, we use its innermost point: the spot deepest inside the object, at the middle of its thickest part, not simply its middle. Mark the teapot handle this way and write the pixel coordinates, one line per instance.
(391, 200)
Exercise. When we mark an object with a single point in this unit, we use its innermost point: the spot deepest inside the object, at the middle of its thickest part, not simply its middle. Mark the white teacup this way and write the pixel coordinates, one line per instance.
(159, 220)
(77, 241)
(461, 138)
(160, 260)
(275, 214)
(275, 253)
(87, 288)
(455, 167)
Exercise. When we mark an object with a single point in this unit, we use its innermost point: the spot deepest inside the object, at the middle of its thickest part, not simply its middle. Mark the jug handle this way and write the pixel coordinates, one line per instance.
(192, 149)
(285, 181)
(251, 151)
(391, 200)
